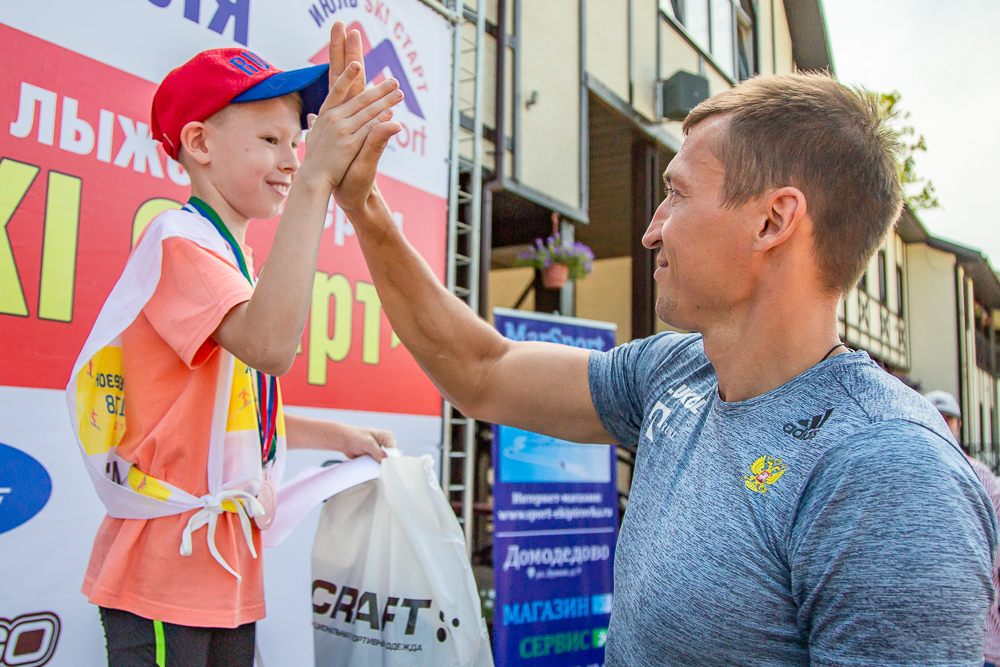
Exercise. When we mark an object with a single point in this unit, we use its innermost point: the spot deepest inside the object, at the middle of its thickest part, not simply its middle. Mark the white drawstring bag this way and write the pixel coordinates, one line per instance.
(392, 584)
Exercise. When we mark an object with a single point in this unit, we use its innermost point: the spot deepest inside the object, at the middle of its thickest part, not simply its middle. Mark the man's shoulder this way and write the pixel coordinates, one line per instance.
(898, 461)
(882, 402)
(623, 380)
(878, 429)
(666, 359)
(901, 442)
(666, 346)
(901, 462)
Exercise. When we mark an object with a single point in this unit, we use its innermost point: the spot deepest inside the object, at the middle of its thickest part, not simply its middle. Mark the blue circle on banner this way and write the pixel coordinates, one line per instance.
(25, 487)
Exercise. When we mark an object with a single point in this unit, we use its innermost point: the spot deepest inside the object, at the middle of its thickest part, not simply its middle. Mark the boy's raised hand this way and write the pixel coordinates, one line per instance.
(349, 113)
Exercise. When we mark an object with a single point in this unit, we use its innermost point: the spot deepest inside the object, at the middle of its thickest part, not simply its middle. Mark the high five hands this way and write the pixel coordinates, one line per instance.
(356, 120)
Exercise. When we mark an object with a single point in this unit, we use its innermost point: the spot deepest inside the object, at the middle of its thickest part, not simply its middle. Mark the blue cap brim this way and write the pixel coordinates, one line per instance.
(311, 83)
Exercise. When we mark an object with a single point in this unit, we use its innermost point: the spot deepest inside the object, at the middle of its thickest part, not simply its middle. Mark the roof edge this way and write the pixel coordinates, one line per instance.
(810, 39)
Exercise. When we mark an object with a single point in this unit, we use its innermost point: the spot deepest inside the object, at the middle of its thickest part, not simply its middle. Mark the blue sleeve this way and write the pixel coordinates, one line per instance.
(891, 553)
(619, 377)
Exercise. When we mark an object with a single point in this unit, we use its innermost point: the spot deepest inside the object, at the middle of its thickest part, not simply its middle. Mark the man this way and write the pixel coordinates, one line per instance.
(947, 405)
(807, 508)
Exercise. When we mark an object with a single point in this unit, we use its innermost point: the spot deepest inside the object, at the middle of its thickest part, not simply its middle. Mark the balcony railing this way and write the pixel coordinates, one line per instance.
(868, 324)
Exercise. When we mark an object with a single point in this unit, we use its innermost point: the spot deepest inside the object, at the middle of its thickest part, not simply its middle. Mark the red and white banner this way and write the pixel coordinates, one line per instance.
(80, 177)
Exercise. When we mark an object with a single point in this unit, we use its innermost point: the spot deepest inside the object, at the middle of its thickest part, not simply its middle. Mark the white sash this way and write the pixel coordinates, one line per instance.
(95, 400)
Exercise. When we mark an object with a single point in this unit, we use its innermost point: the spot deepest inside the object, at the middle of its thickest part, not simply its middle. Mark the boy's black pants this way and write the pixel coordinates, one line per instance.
(134, 641)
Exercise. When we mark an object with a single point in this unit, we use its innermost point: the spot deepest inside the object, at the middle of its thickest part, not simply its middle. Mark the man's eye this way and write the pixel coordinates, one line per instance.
(669, 191)
(270, 140)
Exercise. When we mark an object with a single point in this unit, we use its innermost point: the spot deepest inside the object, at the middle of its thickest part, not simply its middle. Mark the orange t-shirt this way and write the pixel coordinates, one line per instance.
(172, 369)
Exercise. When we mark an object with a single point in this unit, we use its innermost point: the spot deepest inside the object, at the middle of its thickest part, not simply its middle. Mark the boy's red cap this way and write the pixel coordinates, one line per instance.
(212, 79)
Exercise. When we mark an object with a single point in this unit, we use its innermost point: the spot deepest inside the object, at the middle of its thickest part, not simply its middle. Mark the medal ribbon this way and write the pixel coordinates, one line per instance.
(266, 385)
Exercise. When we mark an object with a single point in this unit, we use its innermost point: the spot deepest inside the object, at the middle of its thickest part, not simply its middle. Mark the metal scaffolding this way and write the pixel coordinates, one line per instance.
(458, 443)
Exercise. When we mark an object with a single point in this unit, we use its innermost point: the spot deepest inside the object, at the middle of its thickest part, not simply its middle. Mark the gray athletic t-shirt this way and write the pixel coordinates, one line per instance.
(831, 521)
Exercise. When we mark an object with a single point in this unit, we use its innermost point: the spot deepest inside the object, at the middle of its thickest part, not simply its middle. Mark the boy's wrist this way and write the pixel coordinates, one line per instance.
(313, 182)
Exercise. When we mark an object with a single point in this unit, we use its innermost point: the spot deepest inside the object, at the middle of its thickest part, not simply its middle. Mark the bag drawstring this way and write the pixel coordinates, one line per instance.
(209, 515)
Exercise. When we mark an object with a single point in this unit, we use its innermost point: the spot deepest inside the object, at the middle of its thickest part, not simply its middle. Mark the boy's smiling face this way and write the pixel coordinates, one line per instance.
(251, 151)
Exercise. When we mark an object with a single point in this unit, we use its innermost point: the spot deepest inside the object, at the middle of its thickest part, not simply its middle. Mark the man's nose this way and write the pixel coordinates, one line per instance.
(653, 238)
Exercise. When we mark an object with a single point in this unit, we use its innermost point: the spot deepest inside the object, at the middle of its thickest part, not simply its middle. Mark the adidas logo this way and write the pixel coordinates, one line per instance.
(806, 429)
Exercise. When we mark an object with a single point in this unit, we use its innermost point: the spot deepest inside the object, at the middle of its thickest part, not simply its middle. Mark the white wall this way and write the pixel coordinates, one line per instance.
(932, 318)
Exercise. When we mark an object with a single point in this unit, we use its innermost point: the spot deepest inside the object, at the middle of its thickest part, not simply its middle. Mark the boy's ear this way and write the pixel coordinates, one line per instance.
(193, 140)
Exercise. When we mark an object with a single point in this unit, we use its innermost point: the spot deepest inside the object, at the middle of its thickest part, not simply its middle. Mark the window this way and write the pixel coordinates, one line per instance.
(863, 282)
(746, 46)
(672, 8)
(900, 291)
(723, 39)
(721, 28)
(883, 283)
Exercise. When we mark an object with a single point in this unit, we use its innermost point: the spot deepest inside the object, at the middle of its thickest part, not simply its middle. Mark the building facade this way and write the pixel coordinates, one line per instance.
(954, 311)
(577, 85)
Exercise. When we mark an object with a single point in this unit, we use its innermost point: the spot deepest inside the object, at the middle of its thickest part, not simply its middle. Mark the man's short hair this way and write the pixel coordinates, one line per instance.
(810, 132)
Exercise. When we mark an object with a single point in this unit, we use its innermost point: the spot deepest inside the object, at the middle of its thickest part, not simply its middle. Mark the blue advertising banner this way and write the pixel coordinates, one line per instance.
(555, 521)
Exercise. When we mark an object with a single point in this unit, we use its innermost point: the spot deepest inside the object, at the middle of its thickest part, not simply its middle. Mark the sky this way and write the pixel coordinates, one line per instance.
(941, 57)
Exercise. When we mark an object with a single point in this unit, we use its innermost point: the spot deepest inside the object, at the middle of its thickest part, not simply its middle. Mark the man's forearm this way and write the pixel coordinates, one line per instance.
(541, 387)
(449, 341)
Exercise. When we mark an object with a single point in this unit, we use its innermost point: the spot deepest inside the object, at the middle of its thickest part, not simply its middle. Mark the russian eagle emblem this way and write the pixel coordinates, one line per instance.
(764, 472)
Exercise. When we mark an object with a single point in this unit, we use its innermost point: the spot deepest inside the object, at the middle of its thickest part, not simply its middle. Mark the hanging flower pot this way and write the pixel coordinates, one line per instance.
(555, 276)
(557, 261)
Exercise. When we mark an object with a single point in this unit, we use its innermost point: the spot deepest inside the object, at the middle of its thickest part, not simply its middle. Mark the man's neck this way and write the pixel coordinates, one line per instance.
(769, 343)
(234, 221)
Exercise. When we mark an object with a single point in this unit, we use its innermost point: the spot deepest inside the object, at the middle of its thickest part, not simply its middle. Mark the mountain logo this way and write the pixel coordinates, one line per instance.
(806, 429)
(377, 59)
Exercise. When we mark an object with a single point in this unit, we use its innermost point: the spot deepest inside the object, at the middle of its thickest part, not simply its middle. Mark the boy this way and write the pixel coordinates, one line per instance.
(234, 122)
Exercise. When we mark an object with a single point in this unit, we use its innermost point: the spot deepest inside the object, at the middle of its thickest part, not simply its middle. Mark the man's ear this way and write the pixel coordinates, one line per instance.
(784, 210)
(194, 141)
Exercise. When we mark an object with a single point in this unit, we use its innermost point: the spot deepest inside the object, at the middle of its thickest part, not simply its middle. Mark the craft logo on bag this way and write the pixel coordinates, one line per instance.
(25, 487)
(362, 607)
(28, 640)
